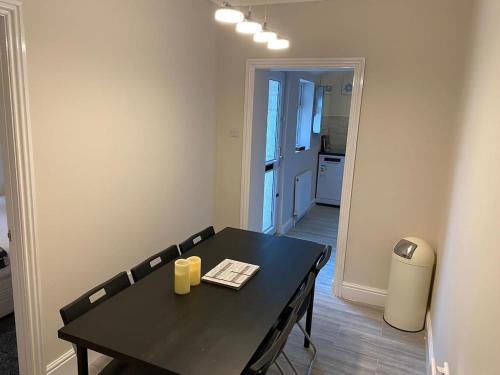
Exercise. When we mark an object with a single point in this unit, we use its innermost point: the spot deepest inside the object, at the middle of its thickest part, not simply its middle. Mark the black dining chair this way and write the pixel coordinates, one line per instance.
(274, 345)
(196, 238)
(154, 262)
(322, 261)
(94, 297)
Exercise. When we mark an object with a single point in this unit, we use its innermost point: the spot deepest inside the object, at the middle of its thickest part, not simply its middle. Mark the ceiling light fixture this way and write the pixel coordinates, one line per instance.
(227, 14)
(265, 35)
(248, 25)
(278, 44)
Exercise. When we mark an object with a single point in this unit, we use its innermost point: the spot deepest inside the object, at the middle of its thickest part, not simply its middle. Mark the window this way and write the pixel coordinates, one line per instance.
(318, 109)
(304, 115)
(267, 208)
(273, 106)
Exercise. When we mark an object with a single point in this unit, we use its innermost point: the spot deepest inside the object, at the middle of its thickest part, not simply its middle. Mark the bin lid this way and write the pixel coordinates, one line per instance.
(414, 251)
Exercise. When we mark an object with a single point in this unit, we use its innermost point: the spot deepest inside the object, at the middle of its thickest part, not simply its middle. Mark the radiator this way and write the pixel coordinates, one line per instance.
(302, 197)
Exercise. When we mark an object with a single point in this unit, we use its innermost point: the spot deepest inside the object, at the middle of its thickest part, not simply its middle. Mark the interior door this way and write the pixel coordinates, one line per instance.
(273, 151)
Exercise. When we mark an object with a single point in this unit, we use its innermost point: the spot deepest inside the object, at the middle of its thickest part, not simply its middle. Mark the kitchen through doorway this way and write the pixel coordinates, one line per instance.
(300, 124)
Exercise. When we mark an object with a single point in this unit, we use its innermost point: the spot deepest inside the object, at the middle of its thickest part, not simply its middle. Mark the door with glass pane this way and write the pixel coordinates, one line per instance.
(272, 157)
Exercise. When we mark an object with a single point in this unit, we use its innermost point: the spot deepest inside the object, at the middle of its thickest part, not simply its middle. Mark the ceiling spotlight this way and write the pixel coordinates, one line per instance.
(227, 14)
(248, 26)
(265, 35)
(278, 44)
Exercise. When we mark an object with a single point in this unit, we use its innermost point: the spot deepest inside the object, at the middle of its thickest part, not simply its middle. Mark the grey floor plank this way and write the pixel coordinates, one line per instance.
(352, 339)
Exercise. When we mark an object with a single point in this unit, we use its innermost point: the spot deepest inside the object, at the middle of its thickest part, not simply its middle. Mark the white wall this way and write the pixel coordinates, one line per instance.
(122, 99)
(334, 103)
(296, 163)
(410, 94)
(336, 110)
(466, 298)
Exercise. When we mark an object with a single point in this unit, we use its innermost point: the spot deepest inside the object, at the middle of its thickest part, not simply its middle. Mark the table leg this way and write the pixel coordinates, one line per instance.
(309, 317)
(83, 362)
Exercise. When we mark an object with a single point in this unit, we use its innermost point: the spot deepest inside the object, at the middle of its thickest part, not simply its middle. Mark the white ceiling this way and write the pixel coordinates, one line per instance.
(260, 2)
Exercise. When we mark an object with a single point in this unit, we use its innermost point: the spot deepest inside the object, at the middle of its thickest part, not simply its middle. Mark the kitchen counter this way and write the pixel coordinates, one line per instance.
(330, 153)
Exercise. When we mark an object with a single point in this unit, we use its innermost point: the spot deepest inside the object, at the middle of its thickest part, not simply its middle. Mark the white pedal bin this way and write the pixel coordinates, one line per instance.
(409, 283)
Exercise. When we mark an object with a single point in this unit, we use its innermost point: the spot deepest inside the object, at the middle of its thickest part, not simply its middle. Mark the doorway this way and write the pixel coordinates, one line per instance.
(15, 135)
(303, 154)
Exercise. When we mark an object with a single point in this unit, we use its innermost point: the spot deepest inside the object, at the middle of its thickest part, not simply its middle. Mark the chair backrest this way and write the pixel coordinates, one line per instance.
(303, 297)
(94, 297)
(196, 239)
(154, 262)
(323, 260)
(278, 342)
(278, 338)
(304, 291)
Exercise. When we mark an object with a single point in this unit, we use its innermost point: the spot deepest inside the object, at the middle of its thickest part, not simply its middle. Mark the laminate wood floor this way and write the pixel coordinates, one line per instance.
(352, 339)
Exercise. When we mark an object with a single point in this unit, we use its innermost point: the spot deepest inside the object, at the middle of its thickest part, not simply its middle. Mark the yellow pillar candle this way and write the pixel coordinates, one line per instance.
(182, 284)
(194, 270)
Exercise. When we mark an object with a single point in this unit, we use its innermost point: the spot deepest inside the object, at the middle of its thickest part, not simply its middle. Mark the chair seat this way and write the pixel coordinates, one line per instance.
(116, 367)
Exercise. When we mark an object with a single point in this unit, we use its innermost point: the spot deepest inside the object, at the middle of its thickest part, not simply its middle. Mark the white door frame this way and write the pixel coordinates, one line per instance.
(277, 203)
(358, 65)
(20, 193)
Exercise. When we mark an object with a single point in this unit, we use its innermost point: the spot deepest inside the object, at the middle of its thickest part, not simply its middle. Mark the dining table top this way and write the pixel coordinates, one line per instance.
(213, 329)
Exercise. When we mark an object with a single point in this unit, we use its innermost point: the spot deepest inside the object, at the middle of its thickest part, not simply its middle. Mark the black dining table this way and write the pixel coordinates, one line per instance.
(211, 330)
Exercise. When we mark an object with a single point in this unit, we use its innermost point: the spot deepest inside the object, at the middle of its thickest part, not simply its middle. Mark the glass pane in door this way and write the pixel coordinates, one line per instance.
(267, 214)
(273, 106)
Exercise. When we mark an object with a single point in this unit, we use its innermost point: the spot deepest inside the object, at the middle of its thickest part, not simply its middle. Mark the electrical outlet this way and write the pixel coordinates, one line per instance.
(234, 133)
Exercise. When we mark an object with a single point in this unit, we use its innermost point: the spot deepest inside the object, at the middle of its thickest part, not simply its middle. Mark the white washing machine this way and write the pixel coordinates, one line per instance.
(329, 180)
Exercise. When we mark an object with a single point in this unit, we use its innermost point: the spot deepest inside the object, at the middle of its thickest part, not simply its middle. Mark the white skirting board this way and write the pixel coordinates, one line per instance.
(364, 294)
(66, 364)
(311, 204)
(291, 222)
(430, 343)
(287, 226)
